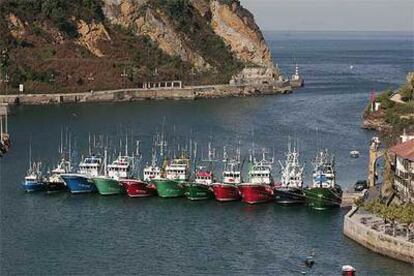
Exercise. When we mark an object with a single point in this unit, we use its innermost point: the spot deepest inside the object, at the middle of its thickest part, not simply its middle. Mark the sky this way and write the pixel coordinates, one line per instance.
(333, 15)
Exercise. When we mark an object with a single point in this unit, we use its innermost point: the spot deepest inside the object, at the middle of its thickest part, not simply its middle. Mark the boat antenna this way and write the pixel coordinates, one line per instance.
(1, 129)
(30, 153)
(105, 161)
(126, 145)
(61, 141)
(6, 123)
(90, 150)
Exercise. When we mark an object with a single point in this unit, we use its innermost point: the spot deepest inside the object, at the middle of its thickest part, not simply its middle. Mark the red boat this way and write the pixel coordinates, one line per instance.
(260, 187)
(138, 188)
(255, 193)
(227, 191)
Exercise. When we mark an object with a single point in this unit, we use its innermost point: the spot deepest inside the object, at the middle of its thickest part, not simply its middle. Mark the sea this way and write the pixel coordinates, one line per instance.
(64, 234)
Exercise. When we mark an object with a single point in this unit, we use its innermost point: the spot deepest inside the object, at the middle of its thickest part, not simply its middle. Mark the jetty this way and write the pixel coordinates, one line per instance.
(4, 134)
(173, 90)
(373, 233)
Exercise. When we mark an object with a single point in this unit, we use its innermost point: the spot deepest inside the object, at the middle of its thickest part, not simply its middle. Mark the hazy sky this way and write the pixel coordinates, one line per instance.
(352, 15)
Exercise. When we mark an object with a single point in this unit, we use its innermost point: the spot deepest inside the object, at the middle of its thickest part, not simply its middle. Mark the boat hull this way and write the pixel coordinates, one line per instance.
(323, 198)
(289, 196)
(226, 192)
(136, 188)
(108, 186)
(196, 191)
(33, 186)
(79, 184)
(169, 188)
(54, 187)
(255, 193)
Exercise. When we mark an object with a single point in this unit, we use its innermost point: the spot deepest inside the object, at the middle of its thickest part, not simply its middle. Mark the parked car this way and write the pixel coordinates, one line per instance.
(360, 185)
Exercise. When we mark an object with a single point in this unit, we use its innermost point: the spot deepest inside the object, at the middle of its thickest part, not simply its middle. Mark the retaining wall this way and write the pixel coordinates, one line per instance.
(377, 241)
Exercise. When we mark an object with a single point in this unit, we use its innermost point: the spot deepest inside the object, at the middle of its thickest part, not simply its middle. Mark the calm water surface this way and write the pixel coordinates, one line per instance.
(89, 234)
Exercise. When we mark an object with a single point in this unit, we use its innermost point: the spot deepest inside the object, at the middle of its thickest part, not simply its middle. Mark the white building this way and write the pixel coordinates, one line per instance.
(404, 171)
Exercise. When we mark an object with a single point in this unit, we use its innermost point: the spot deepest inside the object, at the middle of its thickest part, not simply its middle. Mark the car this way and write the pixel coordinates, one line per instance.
(360, 185)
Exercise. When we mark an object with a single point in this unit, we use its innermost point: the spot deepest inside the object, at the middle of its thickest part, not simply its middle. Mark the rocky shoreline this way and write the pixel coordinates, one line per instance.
(133, 94)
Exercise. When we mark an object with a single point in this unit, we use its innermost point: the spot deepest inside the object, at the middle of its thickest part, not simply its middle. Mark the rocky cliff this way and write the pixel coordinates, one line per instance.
(84, 44)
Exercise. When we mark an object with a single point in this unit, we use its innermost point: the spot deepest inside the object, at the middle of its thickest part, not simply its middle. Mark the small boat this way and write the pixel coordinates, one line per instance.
(82, 182)
(354, 153)
(324, 193)
(33, 181)
(54, 182)
(348, 270)
(177, 172)
(227, 190)
(259, 189)
(290, 189)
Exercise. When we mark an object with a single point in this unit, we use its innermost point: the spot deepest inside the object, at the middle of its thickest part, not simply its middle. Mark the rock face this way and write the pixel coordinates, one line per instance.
(237, 27)
(196, 41)
(234, 24)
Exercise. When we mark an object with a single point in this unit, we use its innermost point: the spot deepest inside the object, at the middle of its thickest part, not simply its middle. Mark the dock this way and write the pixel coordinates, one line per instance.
(4, 134)
(349, 198)
(150, 91)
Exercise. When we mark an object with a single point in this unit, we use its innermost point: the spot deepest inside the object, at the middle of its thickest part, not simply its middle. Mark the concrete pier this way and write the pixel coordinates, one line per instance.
(162, 91)
(370, 232)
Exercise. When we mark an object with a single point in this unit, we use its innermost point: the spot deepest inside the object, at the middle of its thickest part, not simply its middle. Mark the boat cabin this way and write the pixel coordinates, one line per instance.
(260, 174)
(204, 177)
(90, 166)
(151, 173)
(120, 168)
(178, 169)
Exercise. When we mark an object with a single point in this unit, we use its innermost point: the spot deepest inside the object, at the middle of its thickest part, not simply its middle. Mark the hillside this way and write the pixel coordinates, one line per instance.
(79, 45)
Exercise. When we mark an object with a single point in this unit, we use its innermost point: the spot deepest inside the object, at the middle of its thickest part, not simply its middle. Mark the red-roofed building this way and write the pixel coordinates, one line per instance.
(404, 170)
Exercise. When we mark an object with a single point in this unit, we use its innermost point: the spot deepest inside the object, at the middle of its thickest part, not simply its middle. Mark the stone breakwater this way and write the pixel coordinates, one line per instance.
(376, 240)
(138, 94)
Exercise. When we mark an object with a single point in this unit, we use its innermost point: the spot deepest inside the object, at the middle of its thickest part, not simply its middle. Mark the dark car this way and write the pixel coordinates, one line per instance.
(360, 185)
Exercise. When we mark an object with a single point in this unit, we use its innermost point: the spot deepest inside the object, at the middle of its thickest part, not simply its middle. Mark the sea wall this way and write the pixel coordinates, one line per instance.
(133, 94)
(377, 241)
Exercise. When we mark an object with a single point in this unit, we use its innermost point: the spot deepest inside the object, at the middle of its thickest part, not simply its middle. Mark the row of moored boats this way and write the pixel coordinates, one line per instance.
(176, 177)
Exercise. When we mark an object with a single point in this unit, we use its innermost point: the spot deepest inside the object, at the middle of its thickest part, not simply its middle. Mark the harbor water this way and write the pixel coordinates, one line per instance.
(63, 234)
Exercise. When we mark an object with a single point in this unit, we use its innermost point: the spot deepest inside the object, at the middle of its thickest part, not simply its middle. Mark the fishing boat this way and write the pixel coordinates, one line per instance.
(82, 182)
(201, 188)
(54, 182)
(177, 172)
(33, 181)
(144, 188)
(324, 193)
(290, 189)
(227, 190)
(109, 183)
(259, 188)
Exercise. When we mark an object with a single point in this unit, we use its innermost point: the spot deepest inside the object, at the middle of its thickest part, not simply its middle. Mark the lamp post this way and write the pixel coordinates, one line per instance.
(124, 75)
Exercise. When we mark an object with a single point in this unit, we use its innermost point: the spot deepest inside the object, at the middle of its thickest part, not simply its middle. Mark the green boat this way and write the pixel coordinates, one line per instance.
(167, 188)
(176, 175)
(324, 193)
(108, 186)
(323, 198)
(119, 169)
(196, 191)
(200, 189)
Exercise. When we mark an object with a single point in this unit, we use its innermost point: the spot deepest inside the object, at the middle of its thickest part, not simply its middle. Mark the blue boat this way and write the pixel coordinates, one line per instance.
(33, 181)
(79, 183)
(82, 182)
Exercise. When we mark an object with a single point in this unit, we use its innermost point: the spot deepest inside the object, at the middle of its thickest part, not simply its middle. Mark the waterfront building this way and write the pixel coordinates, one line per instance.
(403, 168)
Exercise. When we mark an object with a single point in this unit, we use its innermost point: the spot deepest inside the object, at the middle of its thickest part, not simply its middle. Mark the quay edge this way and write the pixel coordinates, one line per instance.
(134, 94)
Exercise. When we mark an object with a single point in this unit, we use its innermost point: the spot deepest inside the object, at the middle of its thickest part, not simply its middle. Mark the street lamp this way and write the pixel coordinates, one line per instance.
(124, 75)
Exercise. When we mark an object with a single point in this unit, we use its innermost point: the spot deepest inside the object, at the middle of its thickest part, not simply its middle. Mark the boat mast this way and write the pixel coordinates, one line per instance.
(1, 129)
(90, 150)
